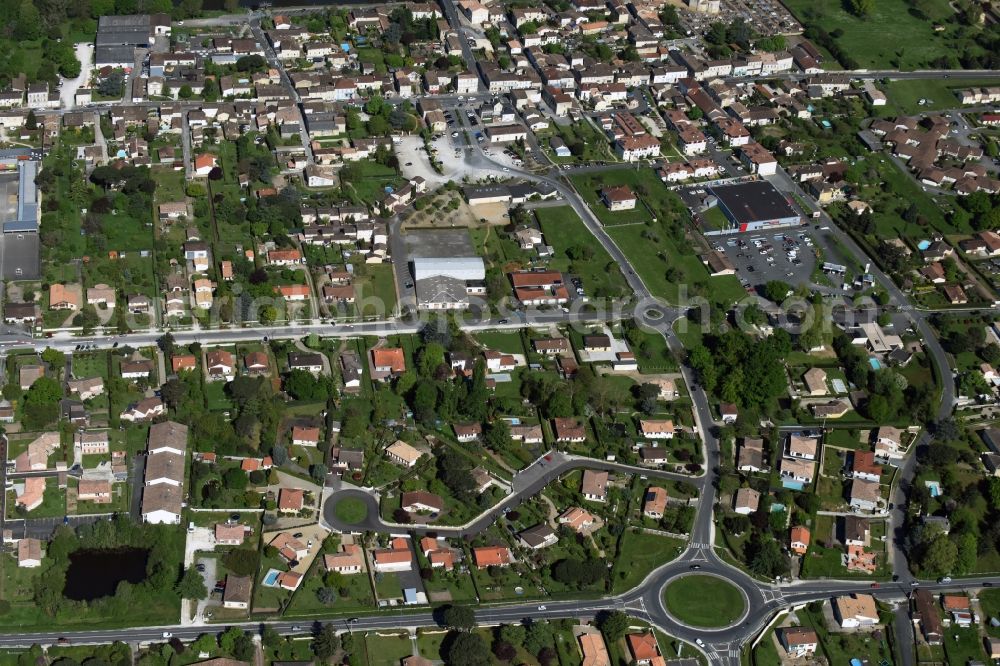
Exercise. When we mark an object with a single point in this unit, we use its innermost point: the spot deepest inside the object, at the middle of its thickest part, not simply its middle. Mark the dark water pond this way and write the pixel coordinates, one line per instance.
(95, 573)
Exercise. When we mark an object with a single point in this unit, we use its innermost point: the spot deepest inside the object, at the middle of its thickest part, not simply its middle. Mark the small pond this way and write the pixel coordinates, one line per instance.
(95, 572)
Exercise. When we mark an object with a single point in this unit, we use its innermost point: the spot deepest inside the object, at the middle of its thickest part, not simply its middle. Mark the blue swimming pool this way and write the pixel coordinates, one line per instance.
(874, 362)
(793, 485)
(934, 487)
(271, 577)
(923, 245)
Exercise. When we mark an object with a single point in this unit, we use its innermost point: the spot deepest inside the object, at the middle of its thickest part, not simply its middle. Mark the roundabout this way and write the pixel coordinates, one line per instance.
(706, 601)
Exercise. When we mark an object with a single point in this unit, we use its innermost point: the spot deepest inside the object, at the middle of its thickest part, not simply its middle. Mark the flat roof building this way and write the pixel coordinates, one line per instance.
(755, 205)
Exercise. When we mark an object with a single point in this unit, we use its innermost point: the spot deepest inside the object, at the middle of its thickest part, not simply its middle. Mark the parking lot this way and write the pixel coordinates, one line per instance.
(759, 257)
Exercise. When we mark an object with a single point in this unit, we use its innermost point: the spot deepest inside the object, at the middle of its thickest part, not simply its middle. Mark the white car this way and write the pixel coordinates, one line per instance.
(700, 642)
(167, 634)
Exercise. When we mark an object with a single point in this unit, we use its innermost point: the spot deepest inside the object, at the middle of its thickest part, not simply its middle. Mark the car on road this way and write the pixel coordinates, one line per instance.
(504, 321)
(874, 586)
(946, 579)
(694, 567)
(454, 134)
(541, 608)
(699, 642)
(167, 634)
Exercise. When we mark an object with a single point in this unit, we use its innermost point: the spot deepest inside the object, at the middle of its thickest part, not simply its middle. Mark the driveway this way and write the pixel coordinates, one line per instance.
(202, 538)
(67, 94)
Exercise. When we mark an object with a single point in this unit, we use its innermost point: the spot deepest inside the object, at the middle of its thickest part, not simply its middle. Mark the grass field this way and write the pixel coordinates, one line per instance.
(893, 35)
(351, 510)
(655, 199)
(565, 231)
(653, 253)
(379, 288)
(639, 554)
(704, 601)
(904, 95)
(386, 650)
(502, 341)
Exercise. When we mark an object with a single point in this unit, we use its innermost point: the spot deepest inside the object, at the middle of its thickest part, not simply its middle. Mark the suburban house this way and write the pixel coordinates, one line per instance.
(237, 592)
(576, 519)
(864, 495)
(421, 501)
(657, 428)
(751, 455)
(397, 557)
(402, 453)
(654, 503)
(93, 441)
(746, 501)
(387, 363)
(220, 365)
(349, 560)
(799, 539)
(538, 537)
(799, 642)
(856, 610)
(305, 436)
(569, 430)
(644, 648)
(29, 553)
(291, 500)
(308, 361)
(492, 556)
(594, 486)
(228, 534)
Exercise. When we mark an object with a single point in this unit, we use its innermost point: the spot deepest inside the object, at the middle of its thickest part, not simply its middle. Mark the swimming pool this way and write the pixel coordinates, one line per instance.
(874, 362)
(271, 578)
(934, 487)
(923, 245)
(793, 485)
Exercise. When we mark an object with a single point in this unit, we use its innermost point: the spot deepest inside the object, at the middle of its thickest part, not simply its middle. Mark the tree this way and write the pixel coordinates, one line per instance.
(55, 358)
(862, 8)
(764, 556)
(516, 633)
(326, 643)
(937, 553)
(173, 392)
(458, 617)
(467, 649)
(241, 561)
(613, 625)
(497, 436)
(318, 472)
(270, 637)
(185, 92)
(776, 290)
(192, 585)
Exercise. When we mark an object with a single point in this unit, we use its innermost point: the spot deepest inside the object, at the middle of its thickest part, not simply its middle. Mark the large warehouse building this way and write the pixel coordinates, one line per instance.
(754, 206)
(446, 283)
(19, 252)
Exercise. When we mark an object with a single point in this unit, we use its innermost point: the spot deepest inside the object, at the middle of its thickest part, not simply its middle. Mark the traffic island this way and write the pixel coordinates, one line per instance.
(350, 510)
(704, 600)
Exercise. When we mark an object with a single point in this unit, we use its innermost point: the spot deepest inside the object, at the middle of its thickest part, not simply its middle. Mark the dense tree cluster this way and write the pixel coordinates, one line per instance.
(739, 369)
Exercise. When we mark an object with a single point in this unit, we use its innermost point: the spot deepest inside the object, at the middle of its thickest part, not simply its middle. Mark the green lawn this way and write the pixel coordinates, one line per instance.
(704, 601)
(894, 27)
(904, 95)
(565, 231)
(386, 650)
(378, 291)
(654, 199)
(638, 554)
(368, 179)
(90, 365)
(351, 510)
(503, 341)
(652, 253)
(387, 586)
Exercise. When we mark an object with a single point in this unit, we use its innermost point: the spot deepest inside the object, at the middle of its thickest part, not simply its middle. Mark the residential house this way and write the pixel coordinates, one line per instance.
(305, 436)
(746, 501)
(569, 430)
(658, 429)
(654, 504)
(576, 519)
(594, 486)
(237, 592)
(29, 553)
(291, 500)
(492, 556)
(538, 537)
(856, 610)
(864, 495)
(403, 454)
(799, 539)
(421, 501)
(220, 365)
(799, 642)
